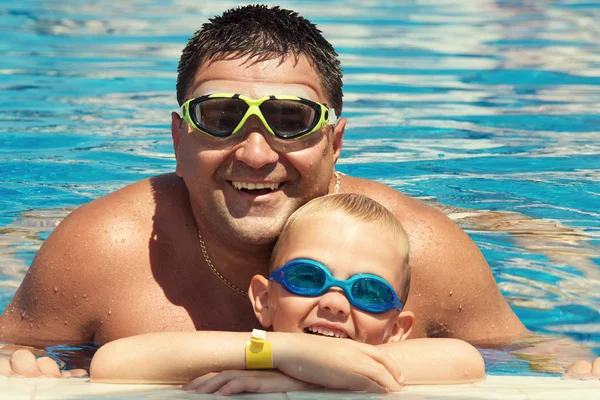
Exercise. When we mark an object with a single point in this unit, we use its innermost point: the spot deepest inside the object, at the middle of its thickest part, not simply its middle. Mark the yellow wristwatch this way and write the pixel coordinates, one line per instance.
(259, 351)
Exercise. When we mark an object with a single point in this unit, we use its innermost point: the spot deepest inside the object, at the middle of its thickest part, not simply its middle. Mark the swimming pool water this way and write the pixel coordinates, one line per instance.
(487, 109)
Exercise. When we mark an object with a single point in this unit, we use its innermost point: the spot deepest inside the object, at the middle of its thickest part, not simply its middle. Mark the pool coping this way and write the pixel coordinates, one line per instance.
(493, 387)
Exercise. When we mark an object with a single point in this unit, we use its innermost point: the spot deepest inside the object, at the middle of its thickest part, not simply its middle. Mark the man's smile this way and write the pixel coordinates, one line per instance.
(256, 189)
(255, 186)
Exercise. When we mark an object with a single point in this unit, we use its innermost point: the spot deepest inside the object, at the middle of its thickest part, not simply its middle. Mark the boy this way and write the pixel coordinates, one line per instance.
(336, 271)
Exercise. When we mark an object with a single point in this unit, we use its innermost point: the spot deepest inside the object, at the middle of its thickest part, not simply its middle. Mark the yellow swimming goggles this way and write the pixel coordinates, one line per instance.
(286, 117)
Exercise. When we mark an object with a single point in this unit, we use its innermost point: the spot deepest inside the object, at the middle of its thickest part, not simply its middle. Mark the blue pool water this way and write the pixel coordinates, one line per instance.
(487, 109)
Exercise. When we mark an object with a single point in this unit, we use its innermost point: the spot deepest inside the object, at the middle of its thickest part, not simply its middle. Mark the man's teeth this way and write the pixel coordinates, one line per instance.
(328, 332)
(253, 186)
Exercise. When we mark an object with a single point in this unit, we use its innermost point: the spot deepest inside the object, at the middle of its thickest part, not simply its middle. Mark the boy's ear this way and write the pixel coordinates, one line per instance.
(258, 292)
(400, 327)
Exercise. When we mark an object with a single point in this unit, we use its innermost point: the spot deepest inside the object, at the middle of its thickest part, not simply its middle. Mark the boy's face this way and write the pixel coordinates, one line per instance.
(347, 247)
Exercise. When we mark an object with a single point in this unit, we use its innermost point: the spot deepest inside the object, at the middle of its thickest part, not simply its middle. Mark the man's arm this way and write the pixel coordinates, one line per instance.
(52, 302)
(453, 289)
(55, 302)
(96, 261)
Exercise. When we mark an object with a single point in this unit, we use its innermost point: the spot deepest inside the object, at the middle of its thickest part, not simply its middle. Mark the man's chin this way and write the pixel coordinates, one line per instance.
(257, 231)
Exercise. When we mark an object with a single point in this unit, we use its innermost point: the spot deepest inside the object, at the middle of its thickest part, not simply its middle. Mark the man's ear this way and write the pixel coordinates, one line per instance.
(259, 297)
(400, 327)
(338, 138)
(176, 126)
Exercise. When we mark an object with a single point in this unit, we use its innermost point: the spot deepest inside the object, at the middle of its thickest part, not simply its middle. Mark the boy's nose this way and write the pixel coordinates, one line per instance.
(255, 150)
(335, 302)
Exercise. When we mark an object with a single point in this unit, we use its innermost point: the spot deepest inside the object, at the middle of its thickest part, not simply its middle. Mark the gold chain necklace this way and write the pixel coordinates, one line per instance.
(215, 271)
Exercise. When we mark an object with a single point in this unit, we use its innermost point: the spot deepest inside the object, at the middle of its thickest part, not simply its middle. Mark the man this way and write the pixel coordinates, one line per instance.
(176, 252)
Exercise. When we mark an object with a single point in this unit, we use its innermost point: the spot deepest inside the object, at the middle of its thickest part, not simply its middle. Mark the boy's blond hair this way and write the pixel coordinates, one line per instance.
(363, 209)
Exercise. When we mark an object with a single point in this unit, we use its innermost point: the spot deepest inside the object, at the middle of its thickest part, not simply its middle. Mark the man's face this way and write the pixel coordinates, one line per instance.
(244, 187)
(347, 247)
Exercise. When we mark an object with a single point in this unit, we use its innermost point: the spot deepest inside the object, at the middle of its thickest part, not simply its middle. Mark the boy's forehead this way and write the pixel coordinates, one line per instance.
(259, 78)
(322, 230)
(347, 245)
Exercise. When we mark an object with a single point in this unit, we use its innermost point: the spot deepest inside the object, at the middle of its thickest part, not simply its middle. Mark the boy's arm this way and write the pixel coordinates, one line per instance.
(422, 361)
(436, 361)
(179, 357)
(168, 357)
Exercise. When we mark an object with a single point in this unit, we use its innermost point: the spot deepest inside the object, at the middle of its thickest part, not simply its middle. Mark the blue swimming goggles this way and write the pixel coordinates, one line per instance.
(310, 278)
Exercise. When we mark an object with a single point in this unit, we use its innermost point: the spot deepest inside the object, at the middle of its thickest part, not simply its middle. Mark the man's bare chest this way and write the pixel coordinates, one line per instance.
(149, 308)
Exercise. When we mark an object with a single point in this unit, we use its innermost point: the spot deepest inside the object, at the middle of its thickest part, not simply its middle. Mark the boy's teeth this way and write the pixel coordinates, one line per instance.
(327, 332)
(253, 186)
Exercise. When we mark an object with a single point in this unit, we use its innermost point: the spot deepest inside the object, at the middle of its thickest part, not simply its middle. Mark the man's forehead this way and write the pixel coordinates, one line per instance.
(259, 78)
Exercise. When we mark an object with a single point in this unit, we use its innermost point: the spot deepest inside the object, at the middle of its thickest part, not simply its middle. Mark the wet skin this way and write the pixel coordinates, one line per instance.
(130, 262)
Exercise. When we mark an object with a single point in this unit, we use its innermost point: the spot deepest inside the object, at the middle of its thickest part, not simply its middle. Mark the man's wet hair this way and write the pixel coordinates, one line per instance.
(263, 33)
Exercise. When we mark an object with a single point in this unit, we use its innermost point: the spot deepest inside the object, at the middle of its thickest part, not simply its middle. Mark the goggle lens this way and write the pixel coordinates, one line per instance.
(219, 116)
(372, 293)
(305, 279)
(288, 117)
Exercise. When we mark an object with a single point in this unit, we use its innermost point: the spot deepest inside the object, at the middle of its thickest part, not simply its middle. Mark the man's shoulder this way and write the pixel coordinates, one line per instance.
(121, 220)
(405, 207)
(108, 234)
(147, 191)
(431, 232)
(138, 200)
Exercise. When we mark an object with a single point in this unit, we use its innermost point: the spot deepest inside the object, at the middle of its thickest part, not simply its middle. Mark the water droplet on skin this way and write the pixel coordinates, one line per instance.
(55, 289)
(450, 293)
(109, 313)
(466, 372)
(65, 322)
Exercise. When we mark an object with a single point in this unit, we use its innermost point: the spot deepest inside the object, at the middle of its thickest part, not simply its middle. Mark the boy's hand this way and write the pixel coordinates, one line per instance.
(583, 370)
(23, 363)
(255, 381)
(336, 363)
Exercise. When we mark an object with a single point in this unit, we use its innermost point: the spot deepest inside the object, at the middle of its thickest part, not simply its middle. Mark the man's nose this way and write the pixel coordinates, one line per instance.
(335, 302)
(255, 149)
